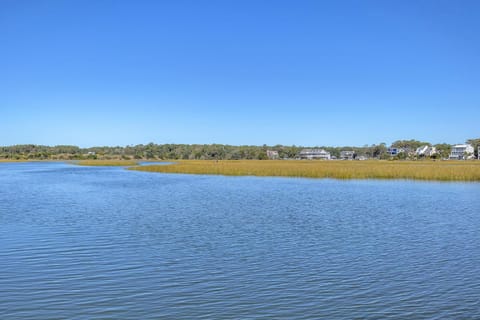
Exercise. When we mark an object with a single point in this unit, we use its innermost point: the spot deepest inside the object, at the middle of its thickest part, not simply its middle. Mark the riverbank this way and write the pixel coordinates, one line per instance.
(374, 169)
(414, 170)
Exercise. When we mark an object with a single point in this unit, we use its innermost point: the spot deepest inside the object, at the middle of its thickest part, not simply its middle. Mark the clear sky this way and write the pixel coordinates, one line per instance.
(239, 72)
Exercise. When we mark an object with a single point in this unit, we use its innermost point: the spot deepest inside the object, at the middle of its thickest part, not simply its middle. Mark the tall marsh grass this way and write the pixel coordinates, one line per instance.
(415, 170)
(12, 160)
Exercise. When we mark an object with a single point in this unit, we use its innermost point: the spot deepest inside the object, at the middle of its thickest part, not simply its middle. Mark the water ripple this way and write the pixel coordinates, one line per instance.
(105, 243)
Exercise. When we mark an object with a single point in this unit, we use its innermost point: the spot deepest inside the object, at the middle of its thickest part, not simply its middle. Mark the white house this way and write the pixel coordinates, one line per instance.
(426, 151)
(314, 154)
(461, 151)
(271, 154)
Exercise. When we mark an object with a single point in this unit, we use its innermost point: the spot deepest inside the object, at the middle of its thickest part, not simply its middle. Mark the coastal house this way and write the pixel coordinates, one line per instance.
(311, 154)
(395, 151)
(347, 155)
(461, 152)
(425, 151)
(272, 155)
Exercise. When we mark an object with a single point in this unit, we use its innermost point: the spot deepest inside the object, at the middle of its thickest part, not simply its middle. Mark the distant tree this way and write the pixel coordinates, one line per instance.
(291, 152)
(379, 151)
(475, 143)
(198, 151)
(409, 145)
(443, 150)
(262, 155)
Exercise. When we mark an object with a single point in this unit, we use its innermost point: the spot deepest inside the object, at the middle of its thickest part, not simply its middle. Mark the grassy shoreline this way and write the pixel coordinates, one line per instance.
(9, 161)
(374, 169)
(103, 163)
(412, 170)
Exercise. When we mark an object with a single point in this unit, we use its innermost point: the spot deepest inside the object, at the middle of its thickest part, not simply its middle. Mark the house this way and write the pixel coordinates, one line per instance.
(461, 152)
(314, 154)
(347, 155)
(425, 151)
(395, 151)
(272, 155)
(431, 151)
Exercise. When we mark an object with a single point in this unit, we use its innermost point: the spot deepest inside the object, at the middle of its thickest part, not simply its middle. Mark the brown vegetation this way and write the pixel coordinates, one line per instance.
(416, 170)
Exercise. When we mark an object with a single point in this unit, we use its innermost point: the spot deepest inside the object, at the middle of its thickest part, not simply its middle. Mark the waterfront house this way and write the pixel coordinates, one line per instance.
(311, 154)
(395, 151)
(347, 155)
(425, 151)
(461, 152)
(272, 155)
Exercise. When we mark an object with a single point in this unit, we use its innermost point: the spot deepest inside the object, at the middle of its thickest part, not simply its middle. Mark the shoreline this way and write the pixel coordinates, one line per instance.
(342, 170)
(455, 171)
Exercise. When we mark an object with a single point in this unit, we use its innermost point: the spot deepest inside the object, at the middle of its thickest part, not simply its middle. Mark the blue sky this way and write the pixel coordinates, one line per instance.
(239, 72)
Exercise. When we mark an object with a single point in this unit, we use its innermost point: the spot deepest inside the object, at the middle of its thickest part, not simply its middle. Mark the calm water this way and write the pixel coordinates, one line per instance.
(106, 243)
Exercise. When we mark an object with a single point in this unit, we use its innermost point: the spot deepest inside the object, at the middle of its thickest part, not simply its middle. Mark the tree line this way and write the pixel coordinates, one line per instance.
(154, 151)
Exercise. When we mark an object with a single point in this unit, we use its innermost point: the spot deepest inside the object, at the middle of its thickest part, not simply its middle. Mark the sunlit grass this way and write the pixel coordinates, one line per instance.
(106, 162)
(13, 160)
(416, 170)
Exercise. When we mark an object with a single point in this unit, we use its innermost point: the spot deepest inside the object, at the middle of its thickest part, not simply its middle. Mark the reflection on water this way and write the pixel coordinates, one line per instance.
(95, 242)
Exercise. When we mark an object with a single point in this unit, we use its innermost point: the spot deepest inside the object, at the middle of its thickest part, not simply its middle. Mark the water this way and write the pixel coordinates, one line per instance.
(107, 243)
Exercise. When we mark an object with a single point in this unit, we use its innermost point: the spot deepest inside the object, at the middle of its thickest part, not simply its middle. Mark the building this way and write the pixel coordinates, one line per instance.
(395, 151)
(347, 155)
(314, 154)
(461, 152)
(425, 151)
(272, 155)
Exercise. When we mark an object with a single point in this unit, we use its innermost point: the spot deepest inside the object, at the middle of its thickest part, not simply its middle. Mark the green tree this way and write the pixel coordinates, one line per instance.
(409, 145)
(475, 143)
(443, 150)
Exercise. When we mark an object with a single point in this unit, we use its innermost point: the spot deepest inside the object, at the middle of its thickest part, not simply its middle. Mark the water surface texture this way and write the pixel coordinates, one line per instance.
(107, 243)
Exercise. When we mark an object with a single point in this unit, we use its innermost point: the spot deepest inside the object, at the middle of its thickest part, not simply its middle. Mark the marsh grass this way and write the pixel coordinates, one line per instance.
(106, 163)
(415, 170)
(11, 160)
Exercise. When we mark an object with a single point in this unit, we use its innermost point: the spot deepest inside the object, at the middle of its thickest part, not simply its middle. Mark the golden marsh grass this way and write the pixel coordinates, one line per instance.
(415, 170)
(9, 160)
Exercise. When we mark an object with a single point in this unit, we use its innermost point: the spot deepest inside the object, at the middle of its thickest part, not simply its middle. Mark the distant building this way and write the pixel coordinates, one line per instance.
(347, 155)
(426, 151)
(314, 154)
(272, 155)
(361, 158)
(461, 152)
(395, 151)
